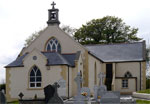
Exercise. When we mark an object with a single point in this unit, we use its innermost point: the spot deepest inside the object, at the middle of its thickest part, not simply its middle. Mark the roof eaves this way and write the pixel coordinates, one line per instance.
(95, 56)
(59, 64)
(63, 58)
(121, 61)
(14, 66)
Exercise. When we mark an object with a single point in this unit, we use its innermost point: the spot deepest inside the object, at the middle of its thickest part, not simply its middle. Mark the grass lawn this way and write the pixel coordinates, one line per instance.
(137, 102)
(142, 102)
(144, 91)
(14, 102)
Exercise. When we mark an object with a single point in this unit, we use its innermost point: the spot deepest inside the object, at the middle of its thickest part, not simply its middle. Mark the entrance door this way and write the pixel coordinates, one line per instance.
(108, 76)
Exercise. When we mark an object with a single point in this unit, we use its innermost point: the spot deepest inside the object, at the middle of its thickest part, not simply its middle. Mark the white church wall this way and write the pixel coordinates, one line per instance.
(68, 45)
(92, 76)
(131, 86)
(132, 67)
(19, 79)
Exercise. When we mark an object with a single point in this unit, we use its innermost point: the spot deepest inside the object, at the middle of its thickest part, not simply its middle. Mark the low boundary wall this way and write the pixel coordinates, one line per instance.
(141, 95)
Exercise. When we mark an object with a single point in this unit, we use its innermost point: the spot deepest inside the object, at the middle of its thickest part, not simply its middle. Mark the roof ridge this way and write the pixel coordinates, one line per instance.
(115, 43)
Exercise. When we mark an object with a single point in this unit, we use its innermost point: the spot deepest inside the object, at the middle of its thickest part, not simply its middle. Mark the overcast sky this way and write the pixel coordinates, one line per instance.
(20, 18)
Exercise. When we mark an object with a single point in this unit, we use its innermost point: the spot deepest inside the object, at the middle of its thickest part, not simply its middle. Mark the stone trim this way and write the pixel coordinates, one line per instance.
(8, 82)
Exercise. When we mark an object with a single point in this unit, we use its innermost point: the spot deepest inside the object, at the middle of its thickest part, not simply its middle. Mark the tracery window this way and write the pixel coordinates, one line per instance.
(53, 45)
(35, 78)
(128, 74)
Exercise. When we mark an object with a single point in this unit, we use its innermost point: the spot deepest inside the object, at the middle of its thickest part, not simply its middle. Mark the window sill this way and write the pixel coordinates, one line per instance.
(125, 88)
(34, 88)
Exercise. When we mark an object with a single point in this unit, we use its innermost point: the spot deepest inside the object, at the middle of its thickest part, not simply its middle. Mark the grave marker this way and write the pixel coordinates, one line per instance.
(2, 98)
(99, 91)
(79, 99)
(110, 97)
(55, 99)
(49, 92)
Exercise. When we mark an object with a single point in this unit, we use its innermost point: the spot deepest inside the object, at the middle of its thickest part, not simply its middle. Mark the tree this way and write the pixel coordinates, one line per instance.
(108, 29)
(69, 30)
(33, 36)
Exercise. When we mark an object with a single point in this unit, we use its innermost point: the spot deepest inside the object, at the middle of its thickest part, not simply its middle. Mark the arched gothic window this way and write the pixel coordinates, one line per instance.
(53, 45)
(128, 74)
(35, 77)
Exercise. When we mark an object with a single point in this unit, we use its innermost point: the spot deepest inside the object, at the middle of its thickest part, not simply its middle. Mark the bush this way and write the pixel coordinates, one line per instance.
(147, 91)
(147, 83)
(142, 102)
(2, 87)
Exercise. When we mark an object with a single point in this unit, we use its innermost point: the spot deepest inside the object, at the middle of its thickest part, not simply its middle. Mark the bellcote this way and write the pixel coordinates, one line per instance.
(53, 15)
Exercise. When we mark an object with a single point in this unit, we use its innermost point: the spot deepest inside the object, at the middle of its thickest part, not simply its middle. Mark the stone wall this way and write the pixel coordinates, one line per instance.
(31, 102)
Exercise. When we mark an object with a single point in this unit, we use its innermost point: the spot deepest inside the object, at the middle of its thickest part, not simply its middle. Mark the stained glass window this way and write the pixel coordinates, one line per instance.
(53, 45)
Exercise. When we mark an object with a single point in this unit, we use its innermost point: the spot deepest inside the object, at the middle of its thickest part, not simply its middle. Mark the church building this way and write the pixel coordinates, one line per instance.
(54, 56)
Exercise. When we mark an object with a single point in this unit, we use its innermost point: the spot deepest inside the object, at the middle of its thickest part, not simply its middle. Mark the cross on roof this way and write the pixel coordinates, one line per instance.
(101, 76)
(53, 4)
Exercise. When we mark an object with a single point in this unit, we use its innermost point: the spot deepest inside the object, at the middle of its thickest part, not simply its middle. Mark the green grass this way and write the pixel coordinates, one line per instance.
(14, 102)
(142, 102)
(144, 91)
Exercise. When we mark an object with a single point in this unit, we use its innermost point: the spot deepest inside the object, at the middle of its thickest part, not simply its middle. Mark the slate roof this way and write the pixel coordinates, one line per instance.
(53, 58)
(118, 52)
(106, 53)
(17, 62)
(70, 58)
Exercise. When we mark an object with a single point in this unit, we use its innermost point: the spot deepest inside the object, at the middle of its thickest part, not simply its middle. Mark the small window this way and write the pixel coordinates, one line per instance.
(53, 45)
(35, 78)
(125, 83)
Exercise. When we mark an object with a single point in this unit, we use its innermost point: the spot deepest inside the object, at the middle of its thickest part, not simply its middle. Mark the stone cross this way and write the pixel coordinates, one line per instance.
(78, 80)
(21, 95)
(55, 99)
(79, 99)
(56, 86)
(101, 76)
(62, 83)
(53, 4)
(2, 98)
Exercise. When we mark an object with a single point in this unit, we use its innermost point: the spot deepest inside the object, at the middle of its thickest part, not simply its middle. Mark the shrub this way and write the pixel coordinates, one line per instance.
(144, 91)
(2, 87)
(147, 83)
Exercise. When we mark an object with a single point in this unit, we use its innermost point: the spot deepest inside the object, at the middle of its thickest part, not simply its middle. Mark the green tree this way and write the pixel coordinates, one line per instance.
(69, 30)
(108, 29)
